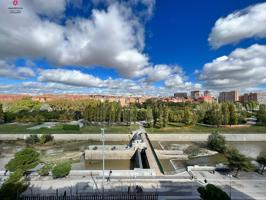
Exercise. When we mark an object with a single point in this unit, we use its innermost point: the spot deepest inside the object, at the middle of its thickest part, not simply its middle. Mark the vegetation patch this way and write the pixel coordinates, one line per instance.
(24, 160)
(61, 170)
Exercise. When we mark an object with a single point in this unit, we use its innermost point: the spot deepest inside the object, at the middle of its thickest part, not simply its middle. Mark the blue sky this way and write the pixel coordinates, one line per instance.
(138, 47)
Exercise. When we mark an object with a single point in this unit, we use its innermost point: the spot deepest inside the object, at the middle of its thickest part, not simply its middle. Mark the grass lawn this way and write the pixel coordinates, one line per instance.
(23, 129)
(179, 128)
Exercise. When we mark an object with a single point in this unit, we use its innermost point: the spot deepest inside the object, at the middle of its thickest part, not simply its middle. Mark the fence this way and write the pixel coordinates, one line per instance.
(122, 196)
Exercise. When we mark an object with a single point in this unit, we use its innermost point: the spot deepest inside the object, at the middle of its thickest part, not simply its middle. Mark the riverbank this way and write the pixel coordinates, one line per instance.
(179, 129)
(198, 137)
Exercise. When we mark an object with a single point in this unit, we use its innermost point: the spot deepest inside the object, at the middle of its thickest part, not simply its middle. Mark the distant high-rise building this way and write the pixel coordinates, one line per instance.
(181, 95)
(195, 94)
(259, 97)
(207, 93)
(232, 96)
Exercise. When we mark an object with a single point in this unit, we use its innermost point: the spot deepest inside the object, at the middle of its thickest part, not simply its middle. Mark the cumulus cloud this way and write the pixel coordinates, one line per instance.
(246, 23)
(160, 72)
(11, 71)
(178, 82)
(89, 83)
(111, 38)
(240, 69)
(49, 8)
(70, 77)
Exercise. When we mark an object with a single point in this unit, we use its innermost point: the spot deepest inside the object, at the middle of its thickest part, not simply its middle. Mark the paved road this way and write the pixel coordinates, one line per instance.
(168, 188)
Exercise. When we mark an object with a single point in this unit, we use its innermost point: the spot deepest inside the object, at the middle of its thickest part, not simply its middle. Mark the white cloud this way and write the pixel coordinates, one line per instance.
(246, 23)
(160, 72)
(49, 8)
(70, 77)
(111, 38)
(11, 71)
(241, 69)
(178, 82)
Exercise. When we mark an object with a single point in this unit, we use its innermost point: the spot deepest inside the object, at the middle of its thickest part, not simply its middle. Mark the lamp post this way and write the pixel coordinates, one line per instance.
(230, 176)
(102, 131)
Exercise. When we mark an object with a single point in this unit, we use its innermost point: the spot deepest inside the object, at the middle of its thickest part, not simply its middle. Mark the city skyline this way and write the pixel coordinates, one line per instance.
(132, 47)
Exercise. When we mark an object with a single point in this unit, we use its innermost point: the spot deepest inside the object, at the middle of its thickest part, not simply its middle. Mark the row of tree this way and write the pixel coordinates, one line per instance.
(154, 112)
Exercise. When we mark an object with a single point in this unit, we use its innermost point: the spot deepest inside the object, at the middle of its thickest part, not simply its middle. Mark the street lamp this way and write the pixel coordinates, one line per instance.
(230, 176)
(102, 131)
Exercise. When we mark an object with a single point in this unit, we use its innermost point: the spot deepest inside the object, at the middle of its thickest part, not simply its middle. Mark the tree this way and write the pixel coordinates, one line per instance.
(238, 161)
(165, 116)
(233, 115)
(149, 117)
(189, 117)
(262, 160)
(1, 114)
(134, 113)
(13, 186)
(225, 114)
(211, 192)
(32, 139)
(44, 171)
(261, 115)
(216, 142)
(213, 115)
(25, 159)
(61, 170)
(46, 138)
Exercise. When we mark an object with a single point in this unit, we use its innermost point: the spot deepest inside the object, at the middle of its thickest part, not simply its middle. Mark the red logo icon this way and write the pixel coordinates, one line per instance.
(15, 2)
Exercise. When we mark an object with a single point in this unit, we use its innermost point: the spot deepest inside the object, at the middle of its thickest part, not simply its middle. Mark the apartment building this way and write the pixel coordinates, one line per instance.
(195, 94)
(259, 97)
(181, 95)
(232, 96)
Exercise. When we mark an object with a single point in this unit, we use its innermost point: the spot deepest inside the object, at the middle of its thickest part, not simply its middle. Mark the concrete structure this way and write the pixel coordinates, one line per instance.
(194, 137)
(181, 95)
(151, 156)
(201, 137)
(195, 94)
(232, 96)
(111, 152)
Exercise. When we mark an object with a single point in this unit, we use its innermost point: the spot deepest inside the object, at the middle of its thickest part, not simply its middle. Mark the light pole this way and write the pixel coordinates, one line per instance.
(102, 131)
(230, 176)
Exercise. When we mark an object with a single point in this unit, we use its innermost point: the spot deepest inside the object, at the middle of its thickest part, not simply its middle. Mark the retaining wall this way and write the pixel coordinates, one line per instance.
(198, 137)
(234, 137)
(109, 155)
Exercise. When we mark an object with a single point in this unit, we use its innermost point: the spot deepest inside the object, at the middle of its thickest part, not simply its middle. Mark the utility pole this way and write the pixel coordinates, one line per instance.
(102, 131)
(230, 176)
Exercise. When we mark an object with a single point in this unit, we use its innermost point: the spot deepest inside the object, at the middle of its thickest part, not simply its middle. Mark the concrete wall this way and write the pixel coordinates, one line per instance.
(109, 155)
(72, 137)
(153, 137)
(127, 173)
(203, 137)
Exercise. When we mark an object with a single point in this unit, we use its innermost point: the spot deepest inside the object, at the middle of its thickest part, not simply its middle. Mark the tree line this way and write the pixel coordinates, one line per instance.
(154, 112)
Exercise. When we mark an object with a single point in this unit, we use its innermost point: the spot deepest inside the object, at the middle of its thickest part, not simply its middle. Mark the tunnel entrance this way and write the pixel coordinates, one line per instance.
(139, 160)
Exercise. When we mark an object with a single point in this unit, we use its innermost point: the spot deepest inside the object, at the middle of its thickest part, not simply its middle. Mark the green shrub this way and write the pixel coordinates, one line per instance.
(25, 159)
(211, 192)
(217, 142)
(13, 186)
(70, 127)
(46, 138)
(45, 170)
(32, 139)
(61, 170)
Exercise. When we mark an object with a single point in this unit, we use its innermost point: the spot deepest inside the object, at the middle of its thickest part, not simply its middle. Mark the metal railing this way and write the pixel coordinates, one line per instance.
(126, 196)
